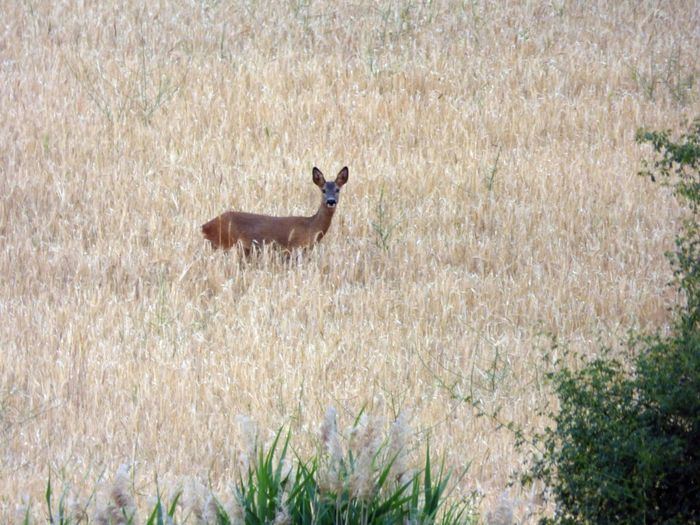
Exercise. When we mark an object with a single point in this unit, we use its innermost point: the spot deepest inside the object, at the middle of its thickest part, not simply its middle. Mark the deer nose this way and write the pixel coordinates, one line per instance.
(331, 202)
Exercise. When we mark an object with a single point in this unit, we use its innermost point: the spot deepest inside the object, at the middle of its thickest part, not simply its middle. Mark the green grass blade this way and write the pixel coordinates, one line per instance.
(48, 498)
(152, 517)
(171, 510)
(427, 488)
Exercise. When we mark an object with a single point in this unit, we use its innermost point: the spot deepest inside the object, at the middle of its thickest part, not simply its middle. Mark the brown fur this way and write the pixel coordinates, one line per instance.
(250, 229)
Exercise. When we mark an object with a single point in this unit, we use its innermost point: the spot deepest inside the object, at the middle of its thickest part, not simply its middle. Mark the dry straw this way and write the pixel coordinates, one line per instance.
(498, 137)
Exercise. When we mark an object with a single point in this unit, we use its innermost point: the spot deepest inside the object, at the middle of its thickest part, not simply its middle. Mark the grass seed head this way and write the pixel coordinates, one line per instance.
(396, 452)
(210, 512)
(77, 510)
(120, 509)
(235, 510)
(330, 437)
(330, 469)
(502, 513)
(365, 441)
(249, 439)
(194, 499)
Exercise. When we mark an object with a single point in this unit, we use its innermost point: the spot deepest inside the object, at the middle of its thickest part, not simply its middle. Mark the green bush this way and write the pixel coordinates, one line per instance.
(678, 166)
(624, 444)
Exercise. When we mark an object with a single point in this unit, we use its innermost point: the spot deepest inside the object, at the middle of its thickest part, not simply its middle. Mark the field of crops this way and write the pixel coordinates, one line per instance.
(492, 204)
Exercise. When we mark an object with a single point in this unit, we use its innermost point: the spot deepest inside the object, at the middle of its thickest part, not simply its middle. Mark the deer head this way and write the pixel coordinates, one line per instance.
(330, 190)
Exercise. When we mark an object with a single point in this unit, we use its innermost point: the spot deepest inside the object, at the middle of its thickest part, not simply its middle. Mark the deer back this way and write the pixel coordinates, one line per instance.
(249, 229)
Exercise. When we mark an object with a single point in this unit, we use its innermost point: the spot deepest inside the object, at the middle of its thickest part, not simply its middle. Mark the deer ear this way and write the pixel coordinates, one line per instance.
(342, 177)
(319, 179)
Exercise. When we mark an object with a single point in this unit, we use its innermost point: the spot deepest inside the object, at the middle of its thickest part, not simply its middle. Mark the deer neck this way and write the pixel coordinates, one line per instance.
(321, 221)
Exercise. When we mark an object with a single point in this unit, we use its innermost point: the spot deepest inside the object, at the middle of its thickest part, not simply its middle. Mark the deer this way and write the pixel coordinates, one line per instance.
(251, 230)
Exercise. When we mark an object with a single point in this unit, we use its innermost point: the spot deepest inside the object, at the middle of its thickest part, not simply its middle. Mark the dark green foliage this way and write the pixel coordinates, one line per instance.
(62, 517)
(160, 515)
(678, 165)
(624, 447)
(273, 490)
(266, 492)
(679, 162)
(260, 494)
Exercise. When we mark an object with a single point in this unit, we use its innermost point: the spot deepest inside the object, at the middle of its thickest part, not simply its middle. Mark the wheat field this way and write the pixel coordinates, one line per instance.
(492, 202)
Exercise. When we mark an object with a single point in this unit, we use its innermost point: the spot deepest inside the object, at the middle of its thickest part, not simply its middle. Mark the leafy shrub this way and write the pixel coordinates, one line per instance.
(624, 447)
(679, 167)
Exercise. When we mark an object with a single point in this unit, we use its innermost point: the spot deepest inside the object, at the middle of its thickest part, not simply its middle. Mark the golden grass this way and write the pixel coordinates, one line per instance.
(124, 128)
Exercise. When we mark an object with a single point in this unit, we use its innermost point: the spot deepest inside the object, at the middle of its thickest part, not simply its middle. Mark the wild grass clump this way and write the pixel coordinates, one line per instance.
(367, 481)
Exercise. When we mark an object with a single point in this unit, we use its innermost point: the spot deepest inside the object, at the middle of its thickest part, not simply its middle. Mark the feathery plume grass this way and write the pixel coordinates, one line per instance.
(210, 512)
(194, 500)
(502, 513)
(77, 510)
(371, 483)
(249, 437)
(329, 435)
(353, 486)
(365, 441)
(330, 473)
(121, 507)
(397, 451)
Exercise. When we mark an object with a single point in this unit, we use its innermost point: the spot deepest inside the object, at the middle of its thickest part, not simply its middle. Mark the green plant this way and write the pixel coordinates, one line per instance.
(623, 447)
(383, 225)
(493, 170)
(160, 513)
(678, 80)
(61, 517)
(366, 482)
(153, 94)
(126, 88)
(369, 483)
(678, 166)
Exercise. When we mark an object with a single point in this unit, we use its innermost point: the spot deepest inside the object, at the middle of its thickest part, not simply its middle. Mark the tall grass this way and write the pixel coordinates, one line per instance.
(367, 481)
(502, 133)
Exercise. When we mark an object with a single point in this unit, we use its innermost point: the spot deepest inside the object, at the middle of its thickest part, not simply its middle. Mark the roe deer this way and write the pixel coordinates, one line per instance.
(249, 229)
